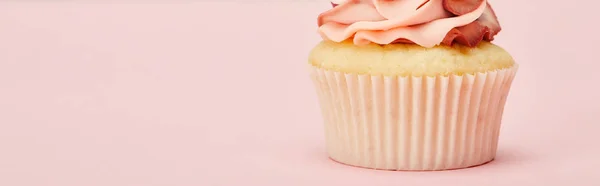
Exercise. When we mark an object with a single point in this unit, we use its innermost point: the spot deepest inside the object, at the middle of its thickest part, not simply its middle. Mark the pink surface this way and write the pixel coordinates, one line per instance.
(184, 93)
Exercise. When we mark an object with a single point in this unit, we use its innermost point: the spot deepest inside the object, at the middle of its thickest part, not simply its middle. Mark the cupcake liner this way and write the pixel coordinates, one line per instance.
(414, 122)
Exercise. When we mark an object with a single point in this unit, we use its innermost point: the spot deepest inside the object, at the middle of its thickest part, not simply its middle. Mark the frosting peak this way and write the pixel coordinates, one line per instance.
(424, 22)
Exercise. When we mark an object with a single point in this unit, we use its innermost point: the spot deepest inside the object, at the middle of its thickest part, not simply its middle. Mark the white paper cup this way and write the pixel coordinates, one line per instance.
(412, 123)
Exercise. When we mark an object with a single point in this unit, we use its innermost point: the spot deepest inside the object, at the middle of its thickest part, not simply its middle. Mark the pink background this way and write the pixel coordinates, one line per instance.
(136, 93)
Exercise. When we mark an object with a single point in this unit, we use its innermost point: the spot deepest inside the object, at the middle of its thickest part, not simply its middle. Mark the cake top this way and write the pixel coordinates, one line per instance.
(424, 22)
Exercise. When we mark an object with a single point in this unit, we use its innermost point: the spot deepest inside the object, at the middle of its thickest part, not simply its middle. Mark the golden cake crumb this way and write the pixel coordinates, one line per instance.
(409, 59)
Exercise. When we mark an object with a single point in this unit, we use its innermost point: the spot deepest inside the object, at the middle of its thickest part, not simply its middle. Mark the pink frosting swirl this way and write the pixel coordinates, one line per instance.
(423, 22)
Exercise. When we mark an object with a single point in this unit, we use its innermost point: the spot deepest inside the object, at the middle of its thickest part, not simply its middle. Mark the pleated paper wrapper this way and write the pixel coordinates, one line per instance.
(412, 123)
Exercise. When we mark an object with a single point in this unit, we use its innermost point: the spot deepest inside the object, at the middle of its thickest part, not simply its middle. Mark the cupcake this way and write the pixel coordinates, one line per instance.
(411, 84)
